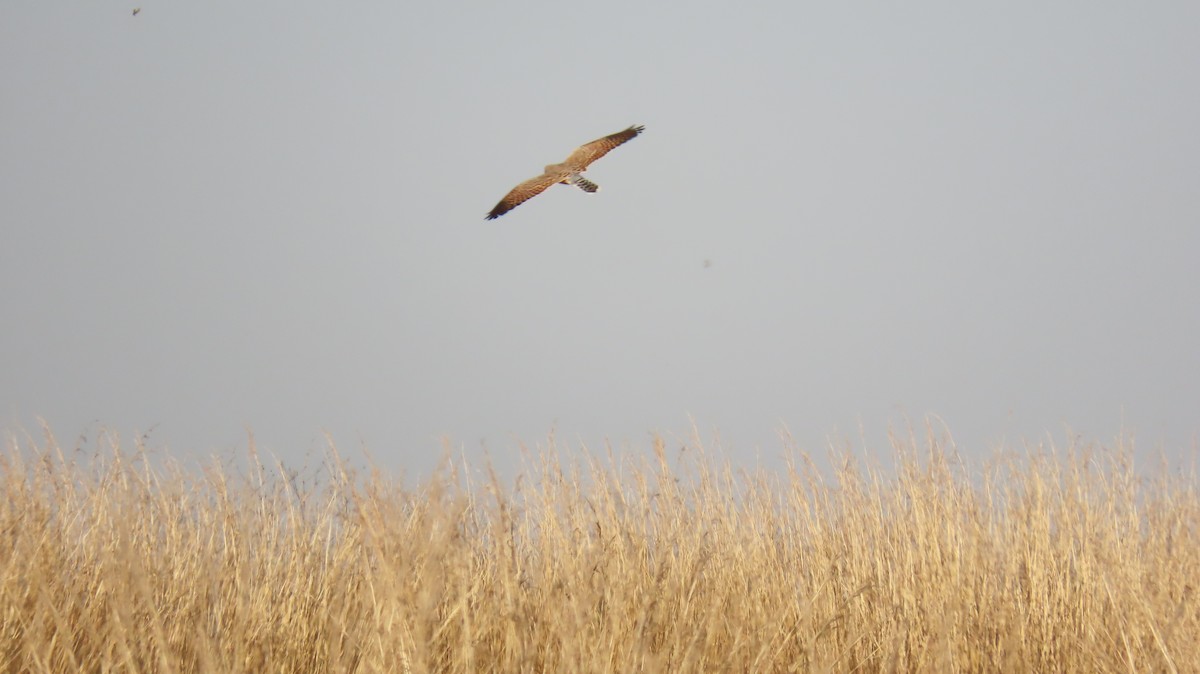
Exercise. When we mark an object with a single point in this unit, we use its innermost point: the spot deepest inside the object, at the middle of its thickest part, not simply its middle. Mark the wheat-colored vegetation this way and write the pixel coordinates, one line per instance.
(1047, 560)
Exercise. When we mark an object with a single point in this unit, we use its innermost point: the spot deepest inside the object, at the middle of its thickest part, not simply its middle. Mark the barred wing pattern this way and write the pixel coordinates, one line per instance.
(524, 192)
(566, 172)
(590, 152)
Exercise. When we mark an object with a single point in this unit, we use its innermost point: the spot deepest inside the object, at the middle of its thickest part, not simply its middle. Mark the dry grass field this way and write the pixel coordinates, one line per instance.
(1044, 559)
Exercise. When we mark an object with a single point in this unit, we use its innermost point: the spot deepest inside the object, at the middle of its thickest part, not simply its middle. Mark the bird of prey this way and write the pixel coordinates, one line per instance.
(566, 173)
(136, 10)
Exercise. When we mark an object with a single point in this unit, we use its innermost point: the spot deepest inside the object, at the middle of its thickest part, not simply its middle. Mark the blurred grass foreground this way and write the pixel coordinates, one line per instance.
(1046, 559)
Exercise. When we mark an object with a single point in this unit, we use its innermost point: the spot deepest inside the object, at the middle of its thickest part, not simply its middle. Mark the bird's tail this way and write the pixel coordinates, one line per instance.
(584, 184)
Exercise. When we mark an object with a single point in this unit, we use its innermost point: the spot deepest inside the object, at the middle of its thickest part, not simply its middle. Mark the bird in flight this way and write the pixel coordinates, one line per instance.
(137, 10)
(567, 173)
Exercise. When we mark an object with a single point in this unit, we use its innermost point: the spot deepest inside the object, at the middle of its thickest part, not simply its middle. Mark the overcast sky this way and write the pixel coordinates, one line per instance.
(268, 215)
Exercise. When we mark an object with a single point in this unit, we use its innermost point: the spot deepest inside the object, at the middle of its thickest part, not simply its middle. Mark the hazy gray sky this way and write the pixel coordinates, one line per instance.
(269, 215)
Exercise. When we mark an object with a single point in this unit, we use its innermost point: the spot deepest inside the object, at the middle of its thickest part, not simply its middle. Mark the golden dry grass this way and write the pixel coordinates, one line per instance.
(1045, 561)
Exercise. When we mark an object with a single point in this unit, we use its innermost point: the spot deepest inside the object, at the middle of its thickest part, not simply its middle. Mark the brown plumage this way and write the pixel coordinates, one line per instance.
(566, 173)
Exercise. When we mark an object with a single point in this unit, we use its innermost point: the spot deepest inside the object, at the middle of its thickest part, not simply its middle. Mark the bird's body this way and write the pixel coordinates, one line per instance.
(566, 173)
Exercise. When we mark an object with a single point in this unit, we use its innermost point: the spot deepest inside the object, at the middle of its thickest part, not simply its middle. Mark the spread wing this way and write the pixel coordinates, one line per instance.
(590, 152)
(522, 193)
